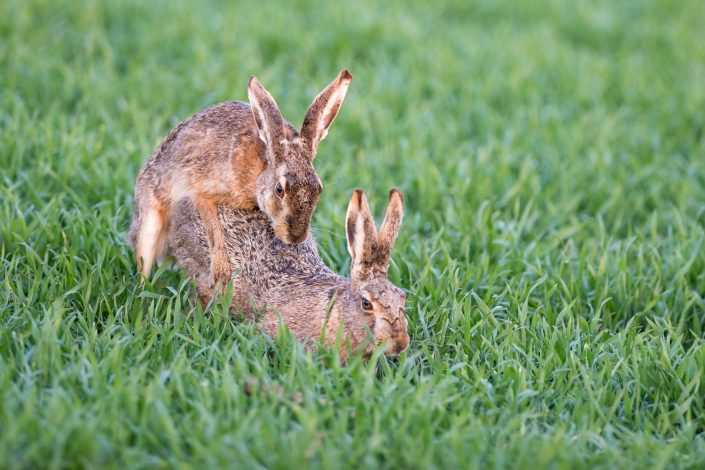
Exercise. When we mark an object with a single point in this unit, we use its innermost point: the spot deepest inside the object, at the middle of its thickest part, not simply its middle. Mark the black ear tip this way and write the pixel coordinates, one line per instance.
(345, 74)
(357, 196)
(395, 191)
(252, 81)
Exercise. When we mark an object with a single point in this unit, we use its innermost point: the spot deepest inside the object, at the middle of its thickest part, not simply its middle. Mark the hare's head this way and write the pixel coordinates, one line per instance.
(288, 189)
(378, 302)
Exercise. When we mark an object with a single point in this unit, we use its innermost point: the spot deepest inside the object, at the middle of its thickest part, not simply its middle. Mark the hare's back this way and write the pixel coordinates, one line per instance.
(233, 116)
(254, 250)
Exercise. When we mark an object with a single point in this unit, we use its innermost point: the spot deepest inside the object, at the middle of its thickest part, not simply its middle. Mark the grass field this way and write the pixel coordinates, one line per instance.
(552, 156)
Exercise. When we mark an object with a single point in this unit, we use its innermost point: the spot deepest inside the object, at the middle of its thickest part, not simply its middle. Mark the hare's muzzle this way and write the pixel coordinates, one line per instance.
(400, 335)
(297, 232)
(298, 238)
(397, 345)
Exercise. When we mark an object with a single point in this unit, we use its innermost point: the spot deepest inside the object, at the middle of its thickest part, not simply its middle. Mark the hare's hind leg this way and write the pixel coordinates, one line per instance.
(150, 237)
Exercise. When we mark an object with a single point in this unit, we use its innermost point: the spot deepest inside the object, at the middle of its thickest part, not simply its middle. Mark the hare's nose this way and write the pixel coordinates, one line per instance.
(398, 324)
(401, 343)
(298, 230)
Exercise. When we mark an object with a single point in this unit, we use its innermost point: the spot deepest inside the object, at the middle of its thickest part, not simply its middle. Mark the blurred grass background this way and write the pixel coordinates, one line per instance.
(552, 159)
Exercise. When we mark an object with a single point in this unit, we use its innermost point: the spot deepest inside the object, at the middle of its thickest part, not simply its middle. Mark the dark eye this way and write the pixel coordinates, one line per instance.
(366, 305)
(279, 189)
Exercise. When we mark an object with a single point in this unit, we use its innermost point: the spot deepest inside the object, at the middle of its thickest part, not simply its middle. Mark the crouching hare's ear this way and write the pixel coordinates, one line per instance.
(370, 250)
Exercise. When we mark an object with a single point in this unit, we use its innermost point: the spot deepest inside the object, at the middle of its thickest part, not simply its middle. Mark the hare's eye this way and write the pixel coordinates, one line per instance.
(279, 189)
(366, 305)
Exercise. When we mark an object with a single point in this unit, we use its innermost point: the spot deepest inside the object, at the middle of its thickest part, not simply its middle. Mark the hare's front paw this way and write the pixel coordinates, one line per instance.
(221, 273)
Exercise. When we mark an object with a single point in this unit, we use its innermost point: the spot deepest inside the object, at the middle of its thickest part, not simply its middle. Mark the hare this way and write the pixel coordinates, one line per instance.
(239, 155)
(274, 281)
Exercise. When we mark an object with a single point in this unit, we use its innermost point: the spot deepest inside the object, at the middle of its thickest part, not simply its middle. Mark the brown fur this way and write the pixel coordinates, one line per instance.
(290, 283)
(234, 154)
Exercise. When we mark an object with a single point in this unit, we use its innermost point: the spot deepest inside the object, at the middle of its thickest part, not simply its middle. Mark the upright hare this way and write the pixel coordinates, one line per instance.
(239, 155)
(291, 283)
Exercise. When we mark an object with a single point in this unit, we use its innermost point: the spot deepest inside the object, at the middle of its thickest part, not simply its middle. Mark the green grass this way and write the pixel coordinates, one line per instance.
(552, 157)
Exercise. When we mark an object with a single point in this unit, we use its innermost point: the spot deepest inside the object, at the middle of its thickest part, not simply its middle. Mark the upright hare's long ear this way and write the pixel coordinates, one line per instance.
(361, 234)
(390, 225)
(266, 112)
(322, 112)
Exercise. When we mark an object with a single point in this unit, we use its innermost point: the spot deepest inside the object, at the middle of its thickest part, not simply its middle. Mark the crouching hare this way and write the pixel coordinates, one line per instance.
(239, 155)
(290, 282)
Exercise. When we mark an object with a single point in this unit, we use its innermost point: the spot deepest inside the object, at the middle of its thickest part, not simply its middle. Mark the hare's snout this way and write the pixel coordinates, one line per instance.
(302, 195)
(298, 234)
(401, 342)
(397, 345)
(295, 240)
(292, 238)
(291, 234)
(399, 336)
(401, 345)
(297, 229)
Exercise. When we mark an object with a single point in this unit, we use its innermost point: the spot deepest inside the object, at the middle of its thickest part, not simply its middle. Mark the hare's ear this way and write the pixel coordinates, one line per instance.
(322, 112)
(360, 230)
(266, 112)
(391, 224)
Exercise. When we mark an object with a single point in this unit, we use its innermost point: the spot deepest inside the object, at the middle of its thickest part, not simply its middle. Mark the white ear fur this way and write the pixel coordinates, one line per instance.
(366, 244)
(324, 109)
(359, 241)
(259, 118)
(264, 110)
(360, 229)
(351, 225)
(392, 221)
(330, 111)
